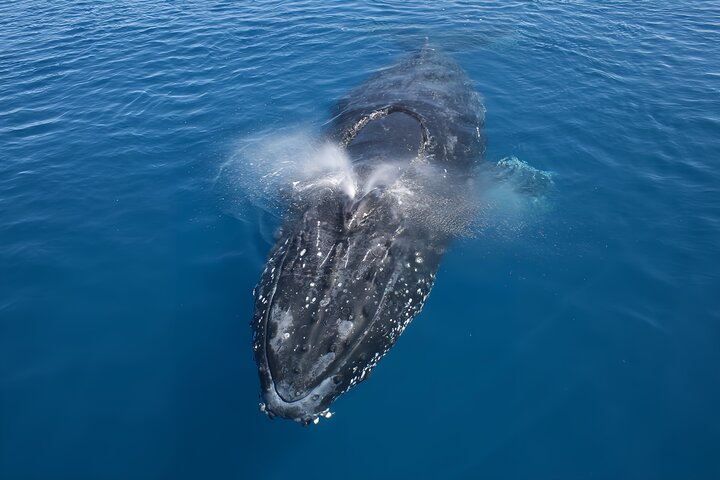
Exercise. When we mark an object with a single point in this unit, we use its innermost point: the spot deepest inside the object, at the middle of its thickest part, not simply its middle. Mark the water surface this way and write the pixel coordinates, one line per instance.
(581, 345)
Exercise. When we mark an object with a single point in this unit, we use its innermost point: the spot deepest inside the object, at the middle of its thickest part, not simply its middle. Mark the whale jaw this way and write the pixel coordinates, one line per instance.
(338, 290)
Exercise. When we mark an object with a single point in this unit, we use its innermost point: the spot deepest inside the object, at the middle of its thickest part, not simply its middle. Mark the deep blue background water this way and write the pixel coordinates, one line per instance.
(586, 346)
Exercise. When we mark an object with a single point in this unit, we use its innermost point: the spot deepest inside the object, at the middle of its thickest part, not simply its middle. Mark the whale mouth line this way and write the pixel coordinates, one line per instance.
(307, 395)
(298, 400)
(277, 394)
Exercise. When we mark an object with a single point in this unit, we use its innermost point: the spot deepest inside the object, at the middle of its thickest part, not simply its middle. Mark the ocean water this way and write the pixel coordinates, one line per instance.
(576, 341)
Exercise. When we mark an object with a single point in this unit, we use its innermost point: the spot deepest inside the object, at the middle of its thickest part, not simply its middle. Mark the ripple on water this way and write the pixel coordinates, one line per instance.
(125, 286)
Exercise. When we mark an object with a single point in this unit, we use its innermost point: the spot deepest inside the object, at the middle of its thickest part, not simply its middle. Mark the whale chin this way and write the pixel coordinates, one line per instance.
(304, 373)
(306, 409)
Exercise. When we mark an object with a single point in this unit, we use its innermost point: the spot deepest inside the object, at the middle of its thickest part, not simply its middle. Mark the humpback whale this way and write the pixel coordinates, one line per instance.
(354, 262)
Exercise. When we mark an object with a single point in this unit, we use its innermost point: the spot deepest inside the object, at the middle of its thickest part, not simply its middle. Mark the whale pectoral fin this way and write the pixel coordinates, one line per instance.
(524, 178)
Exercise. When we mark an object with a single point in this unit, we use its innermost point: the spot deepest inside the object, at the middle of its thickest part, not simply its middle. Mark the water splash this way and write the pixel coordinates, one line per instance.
(271, 170)
(268, 170)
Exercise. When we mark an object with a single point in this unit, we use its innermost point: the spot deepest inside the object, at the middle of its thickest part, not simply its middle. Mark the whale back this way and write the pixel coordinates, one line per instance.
(433, 90)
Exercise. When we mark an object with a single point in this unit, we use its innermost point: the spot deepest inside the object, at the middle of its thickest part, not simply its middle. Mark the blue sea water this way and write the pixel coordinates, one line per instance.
(578, 343)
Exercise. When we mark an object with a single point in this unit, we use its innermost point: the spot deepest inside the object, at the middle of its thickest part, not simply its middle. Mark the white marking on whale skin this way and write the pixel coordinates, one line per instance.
(283, 319)
(322, 363)
(451, 142)
(344, 328)
(326, 258)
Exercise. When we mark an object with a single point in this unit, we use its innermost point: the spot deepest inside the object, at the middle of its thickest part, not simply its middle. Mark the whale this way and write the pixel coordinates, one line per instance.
(354, 261)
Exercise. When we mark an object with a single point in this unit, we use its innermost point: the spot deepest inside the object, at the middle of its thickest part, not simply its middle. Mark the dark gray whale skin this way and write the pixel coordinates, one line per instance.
(348, 274)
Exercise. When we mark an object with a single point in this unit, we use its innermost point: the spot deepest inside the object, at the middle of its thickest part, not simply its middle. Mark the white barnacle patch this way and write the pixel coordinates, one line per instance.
(283, 321)
(344, 328)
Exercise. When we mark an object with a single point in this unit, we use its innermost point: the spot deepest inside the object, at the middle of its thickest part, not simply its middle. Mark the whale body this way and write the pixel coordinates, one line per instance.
(353, 267)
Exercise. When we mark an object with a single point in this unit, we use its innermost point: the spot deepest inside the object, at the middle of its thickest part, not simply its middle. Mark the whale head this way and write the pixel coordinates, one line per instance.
(341, 284)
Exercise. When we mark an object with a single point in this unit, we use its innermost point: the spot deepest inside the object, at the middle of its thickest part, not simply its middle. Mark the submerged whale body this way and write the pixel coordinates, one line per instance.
(355, 261)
